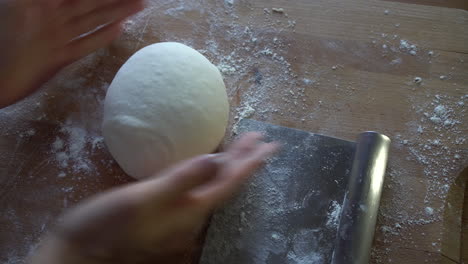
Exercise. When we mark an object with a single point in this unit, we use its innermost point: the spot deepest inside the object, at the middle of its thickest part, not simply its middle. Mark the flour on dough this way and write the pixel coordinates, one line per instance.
(166, 104)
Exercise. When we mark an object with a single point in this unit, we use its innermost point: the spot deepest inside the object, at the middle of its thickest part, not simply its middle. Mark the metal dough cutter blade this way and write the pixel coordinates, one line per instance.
(315, 202)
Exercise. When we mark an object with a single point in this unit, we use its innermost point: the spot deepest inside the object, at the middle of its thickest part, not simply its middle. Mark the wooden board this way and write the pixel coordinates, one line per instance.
(326, 66)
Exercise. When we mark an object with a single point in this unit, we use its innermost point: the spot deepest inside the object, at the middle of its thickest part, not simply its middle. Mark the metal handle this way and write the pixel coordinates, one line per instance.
(362, 199)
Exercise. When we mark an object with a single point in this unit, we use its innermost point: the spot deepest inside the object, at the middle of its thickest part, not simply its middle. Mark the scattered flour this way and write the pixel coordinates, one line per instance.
(406, 46)
(429, 211)
(243, 112)
(283, 212)
(226, 69)
(68, 150)
(438, 128)
(257, 69)
(441, 116)
(258, 72)
(334, 215)
(73, 149)
(278, 10)
(396, 61)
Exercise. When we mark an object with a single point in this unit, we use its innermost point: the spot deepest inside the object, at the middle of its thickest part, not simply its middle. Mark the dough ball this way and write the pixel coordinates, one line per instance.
(166, 104)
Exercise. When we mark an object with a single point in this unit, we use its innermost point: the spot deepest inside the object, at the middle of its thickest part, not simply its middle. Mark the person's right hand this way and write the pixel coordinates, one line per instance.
(39, 37)
(157, 219)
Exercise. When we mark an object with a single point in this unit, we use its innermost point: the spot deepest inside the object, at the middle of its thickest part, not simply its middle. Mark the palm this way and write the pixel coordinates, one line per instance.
(41, 36)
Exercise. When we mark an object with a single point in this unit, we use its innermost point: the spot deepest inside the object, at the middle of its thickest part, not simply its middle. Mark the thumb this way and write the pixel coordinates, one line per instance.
(178, 180)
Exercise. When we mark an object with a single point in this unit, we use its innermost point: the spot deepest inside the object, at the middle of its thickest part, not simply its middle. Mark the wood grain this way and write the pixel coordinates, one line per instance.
(461, 4)
(370, 88)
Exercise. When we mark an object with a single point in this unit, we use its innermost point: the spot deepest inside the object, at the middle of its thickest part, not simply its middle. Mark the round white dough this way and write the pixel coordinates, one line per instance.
(166, 104)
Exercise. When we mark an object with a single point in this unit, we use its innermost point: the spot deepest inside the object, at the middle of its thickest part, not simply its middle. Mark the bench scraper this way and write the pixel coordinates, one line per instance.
(315, 202)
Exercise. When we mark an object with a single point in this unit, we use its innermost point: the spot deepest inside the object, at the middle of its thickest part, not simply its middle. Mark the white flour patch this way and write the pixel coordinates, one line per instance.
(256, 57)
(68, 149)
(334, 214)
(408, 47)
(74, 147)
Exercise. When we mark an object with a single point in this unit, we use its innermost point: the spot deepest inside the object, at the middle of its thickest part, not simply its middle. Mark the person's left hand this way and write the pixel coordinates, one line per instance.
(156, 219)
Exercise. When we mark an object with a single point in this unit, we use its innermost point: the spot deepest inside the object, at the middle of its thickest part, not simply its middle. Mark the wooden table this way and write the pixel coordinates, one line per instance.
(327, 66)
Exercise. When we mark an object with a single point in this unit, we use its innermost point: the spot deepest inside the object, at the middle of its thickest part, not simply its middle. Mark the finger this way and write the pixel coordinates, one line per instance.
(100, 17)
(246, 165)
(245, 144)
(90, 43)
(77, 8)
(81, 7)
(180, 179)
(233, 174)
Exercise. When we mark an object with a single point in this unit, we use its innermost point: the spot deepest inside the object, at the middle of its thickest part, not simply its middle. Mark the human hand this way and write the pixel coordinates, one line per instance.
(156, 218)
(39, 37)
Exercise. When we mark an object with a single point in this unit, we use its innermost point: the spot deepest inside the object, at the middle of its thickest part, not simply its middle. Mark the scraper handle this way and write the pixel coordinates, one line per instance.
(362, 199)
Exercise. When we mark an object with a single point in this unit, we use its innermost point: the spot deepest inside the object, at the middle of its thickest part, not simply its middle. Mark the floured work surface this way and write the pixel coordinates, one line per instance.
(289, 212)
(333, 67)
